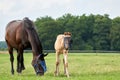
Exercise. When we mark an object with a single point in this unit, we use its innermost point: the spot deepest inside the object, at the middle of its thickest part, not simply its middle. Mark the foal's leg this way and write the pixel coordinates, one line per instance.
(64, 66)
(65, 62)
(11, 59)
(57, 64)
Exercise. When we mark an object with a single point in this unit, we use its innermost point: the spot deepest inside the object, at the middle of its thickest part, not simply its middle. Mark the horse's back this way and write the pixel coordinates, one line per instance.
(59, 42)
(13, 30)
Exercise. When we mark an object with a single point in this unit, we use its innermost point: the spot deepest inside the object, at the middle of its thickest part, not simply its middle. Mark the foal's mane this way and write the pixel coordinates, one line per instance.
(67, 33)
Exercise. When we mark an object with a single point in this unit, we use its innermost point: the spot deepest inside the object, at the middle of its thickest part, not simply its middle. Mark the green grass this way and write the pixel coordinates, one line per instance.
(86, 66)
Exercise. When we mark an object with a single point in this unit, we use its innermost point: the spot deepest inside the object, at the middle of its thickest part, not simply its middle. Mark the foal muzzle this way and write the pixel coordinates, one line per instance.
(67, 42)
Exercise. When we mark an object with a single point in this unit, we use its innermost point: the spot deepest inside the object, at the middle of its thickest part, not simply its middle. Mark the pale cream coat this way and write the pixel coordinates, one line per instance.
(59, 48)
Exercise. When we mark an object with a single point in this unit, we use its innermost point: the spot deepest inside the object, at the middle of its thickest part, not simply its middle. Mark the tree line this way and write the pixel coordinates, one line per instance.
(89, 32)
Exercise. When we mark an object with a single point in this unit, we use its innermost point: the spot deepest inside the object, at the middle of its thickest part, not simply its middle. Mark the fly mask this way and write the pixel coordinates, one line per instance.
(39, 65)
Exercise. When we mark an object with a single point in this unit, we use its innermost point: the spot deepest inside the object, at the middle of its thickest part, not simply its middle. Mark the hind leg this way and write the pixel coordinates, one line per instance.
(11, 58)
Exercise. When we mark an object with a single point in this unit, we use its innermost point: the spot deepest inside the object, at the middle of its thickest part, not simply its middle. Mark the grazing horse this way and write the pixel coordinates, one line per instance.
(62, 44)
(21, 34)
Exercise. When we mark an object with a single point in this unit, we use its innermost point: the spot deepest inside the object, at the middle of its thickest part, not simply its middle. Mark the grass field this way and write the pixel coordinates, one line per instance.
(86, 66)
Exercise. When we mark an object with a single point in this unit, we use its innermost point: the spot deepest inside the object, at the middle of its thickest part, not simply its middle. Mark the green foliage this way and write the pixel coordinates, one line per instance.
(3, 45)
(92, 32)
(115, 34)
(101, 32)
(46, 28)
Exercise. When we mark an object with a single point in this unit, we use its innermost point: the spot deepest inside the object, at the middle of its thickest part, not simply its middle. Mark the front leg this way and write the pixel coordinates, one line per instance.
(20, 65)
(56, 73)
(66, 64)
(22, 62)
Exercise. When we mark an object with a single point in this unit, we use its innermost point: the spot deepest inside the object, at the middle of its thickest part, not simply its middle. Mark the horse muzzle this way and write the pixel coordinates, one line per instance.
(40, 68)
(43, 64)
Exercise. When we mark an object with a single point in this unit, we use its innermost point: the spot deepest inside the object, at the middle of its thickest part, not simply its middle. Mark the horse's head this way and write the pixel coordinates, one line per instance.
(39, 64)
(67, 40)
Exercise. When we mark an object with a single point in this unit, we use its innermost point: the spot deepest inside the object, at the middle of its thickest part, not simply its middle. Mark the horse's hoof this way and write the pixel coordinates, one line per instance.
(12, 72)
(67, 75)
(23, 68)
(55, 73)
(19, 71)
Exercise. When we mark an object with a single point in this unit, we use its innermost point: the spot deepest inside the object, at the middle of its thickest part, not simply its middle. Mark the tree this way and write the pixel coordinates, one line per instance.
(92, 32)
(101, 32)
(115, 34)
(47, 29)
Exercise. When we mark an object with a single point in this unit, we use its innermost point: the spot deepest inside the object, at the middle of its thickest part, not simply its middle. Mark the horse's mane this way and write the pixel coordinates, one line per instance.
(28, 23)
(34, 38)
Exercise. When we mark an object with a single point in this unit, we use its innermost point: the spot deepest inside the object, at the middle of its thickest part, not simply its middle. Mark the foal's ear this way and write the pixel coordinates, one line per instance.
(45, 54)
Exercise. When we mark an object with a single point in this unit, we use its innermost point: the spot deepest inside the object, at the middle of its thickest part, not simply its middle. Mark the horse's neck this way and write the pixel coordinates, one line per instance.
(35, 42)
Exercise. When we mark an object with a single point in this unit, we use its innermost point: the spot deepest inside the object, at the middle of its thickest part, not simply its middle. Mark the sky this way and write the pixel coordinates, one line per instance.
(18, 9)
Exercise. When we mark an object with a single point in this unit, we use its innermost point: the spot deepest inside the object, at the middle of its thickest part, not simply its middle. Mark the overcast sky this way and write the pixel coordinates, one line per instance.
(17, 9)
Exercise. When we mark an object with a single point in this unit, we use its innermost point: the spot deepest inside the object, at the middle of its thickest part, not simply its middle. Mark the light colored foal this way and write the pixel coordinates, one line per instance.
(62, 45)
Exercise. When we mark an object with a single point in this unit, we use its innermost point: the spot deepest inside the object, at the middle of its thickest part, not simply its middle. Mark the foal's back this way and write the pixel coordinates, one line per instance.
(59, 46)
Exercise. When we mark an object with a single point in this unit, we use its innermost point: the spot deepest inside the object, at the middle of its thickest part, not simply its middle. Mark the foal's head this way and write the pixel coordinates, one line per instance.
(39, 64)
(67, 40)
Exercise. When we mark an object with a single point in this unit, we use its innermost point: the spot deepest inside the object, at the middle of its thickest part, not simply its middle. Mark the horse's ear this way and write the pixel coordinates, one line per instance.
(45, 54)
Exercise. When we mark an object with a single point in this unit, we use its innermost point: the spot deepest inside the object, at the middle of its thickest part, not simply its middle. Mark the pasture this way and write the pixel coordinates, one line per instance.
(83, 66)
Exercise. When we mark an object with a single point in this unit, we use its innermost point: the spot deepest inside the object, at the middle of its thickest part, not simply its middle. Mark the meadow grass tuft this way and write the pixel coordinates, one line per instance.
(82, 66)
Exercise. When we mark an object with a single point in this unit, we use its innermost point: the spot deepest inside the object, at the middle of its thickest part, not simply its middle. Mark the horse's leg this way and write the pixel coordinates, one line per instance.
(57, 64)
(20, 65)
(18, 61)
(11, 59)
(66, 64)
(22, 62)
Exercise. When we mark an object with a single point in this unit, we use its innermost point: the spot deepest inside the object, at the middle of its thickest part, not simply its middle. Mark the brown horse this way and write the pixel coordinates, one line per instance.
(62, 44)
(21, 34)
